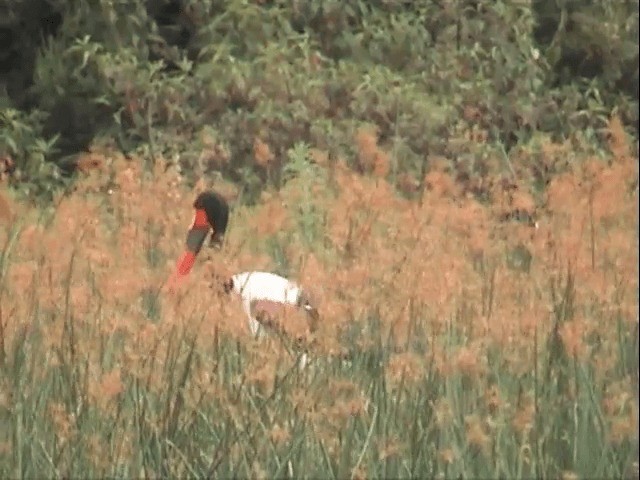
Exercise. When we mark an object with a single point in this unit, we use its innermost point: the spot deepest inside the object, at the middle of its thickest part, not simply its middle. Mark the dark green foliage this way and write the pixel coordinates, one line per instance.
(23, 140)
(591, 40)
(196, 81)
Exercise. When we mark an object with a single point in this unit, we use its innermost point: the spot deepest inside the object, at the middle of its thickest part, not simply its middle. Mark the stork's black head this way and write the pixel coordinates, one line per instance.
(216, 209)
(211, 212)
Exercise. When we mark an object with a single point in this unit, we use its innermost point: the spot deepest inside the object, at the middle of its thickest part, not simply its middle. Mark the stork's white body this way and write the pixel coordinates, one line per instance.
(263, 286)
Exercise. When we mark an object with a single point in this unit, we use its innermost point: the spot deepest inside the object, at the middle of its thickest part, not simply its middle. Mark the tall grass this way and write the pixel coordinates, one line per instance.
(436, 357)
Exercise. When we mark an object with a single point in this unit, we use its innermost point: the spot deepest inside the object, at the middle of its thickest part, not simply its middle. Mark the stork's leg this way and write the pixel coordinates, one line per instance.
(304, 361)
(255, 327)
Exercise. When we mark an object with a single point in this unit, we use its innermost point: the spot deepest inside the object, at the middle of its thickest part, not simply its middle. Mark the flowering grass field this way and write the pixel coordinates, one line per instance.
(457, 341)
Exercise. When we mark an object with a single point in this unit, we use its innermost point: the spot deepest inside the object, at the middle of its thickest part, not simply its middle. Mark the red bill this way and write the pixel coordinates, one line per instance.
(195, 239)
(211, 213)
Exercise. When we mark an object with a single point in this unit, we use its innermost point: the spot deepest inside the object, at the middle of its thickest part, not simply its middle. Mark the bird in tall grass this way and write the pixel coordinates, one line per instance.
(266, 297)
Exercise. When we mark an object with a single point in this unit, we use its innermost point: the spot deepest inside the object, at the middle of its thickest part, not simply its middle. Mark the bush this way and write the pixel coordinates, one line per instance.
(198, 82)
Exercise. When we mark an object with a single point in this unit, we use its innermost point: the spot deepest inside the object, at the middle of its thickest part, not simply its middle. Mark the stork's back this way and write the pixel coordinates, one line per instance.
(266, 286)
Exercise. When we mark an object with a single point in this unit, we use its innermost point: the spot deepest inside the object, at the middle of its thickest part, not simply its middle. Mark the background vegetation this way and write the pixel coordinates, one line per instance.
(457, 181)
(454, 343)
(198, 82)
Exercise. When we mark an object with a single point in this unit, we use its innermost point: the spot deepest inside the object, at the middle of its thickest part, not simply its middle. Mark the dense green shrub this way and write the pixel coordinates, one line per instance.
(198, 81)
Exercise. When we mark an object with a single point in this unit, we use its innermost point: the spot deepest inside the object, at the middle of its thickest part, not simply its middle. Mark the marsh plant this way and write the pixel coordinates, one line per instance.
(436, 357)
